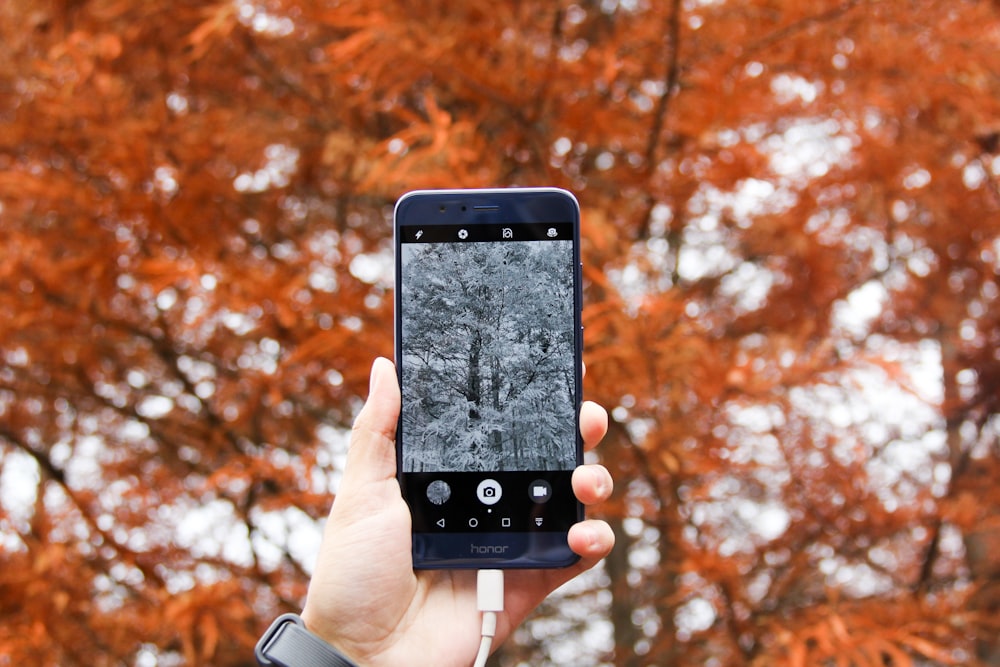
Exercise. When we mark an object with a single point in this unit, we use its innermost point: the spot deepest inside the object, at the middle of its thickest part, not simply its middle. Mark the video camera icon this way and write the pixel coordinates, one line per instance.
(540, 491)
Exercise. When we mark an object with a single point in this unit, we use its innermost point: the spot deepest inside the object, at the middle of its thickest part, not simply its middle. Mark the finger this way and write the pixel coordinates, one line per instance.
(592, 540)
(372, 453)
(592, 484)
(593, 424)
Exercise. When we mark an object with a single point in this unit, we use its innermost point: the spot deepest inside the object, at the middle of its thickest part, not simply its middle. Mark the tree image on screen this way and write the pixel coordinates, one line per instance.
(488, 362)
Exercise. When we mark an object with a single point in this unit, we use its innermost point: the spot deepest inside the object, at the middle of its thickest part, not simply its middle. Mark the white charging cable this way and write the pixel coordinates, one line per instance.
(489, 599)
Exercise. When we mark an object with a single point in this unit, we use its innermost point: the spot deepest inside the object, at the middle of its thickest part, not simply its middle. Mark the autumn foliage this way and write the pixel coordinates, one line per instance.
(792, 260)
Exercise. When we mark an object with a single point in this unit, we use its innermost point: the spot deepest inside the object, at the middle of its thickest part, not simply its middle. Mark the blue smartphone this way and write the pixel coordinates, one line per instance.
(488, 350)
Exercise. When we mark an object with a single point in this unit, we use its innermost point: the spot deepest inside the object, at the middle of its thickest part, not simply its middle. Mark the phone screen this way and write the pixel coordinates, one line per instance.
(488, 352)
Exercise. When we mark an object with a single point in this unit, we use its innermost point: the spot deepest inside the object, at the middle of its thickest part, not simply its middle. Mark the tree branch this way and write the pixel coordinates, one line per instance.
(670, 79)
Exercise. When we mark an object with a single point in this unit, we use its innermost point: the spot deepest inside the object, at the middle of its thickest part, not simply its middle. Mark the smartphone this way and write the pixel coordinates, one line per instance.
(488, 351)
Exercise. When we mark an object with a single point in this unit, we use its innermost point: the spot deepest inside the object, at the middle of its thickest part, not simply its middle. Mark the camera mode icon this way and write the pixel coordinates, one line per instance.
(489, 492)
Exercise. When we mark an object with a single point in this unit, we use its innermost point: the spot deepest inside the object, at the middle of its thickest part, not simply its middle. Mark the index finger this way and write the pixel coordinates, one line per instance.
(593, 424)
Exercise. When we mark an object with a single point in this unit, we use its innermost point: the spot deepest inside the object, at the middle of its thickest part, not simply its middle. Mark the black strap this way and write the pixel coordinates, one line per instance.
(287, 643)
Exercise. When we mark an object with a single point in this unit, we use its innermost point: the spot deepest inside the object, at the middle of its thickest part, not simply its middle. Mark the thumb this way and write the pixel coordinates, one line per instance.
(372, 453)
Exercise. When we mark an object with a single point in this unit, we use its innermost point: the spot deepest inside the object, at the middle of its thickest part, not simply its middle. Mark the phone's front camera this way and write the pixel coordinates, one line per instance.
(442, 208)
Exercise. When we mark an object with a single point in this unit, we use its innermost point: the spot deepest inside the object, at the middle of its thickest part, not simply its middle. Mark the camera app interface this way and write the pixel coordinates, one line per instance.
(488, 431)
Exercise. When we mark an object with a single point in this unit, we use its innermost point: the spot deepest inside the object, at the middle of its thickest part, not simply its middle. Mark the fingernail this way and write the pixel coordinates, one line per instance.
(594, 541)
(601, 483)
(375, 373)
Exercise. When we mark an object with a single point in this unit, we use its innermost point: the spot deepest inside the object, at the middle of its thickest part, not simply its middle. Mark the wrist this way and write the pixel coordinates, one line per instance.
(290, 643)
(322, 627)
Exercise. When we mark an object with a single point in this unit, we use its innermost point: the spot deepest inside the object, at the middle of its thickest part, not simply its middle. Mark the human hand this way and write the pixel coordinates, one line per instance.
(366, 599)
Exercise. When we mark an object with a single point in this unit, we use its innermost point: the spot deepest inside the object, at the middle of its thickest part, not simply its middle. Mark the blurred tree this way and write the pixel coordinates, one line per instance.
(792, 248)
